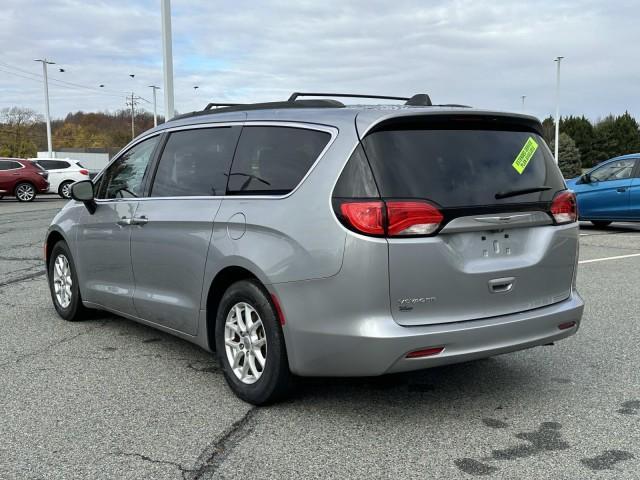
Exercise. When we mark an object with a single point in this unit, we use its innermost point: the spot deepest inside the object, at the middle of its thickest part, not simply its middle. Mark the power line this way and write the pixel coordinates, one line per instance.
(64, 83)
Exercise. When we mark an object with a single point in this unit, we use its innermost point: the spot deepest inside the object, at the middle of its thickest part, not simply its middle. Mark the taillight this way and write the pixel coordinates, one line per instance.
(564, 208)
(392, 218)
(412, 218)
(84, 172)
(44, 174)
(365, 217)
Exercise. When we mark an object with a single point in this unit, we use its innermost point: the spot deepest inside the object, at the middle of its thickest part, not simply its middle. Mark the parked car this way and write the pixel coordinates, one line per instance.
(609, 192)
(22, 178)
(62, 173)
(309, 238)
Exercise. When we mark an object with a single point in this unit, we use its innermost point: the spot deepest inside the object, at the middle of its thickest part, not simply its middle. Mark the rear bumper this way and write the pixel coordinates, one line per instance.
(375, 345)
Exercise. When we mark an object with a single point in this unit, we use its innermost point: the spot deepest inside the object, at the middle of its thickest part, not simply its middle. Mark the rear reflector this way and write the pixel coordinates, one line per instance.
(566, 325)
(425, 352)
(276, 303)
(564, 208)
(84, 172)
(365, 217)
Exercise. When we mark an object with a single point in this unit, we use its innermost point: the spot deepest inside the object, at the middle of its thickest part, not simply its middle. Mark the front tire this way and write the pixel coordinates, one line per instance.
(65, 190)
(63, 284)
(25, 192)
(250, 344)
(600, 223)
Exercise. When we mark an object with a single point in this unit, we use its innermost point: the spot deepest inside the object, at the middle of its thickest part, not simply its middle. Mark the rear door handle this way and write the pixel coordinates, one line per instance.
(126, 221)
(139, 220)
(622, 189)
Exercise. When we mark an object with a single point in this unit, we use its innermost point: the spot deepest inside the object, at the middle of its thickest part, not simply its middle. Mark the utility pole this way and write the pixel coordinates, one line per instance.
(557, 142)
(47, 116)
(167, 60)
(155, 112)
(132, 102)
(523, 97)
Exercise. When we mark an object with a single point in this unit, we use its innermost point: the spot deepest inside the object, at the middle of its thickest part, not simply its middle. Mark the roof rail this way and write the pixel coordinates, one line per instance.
(421, 99)
(211, 105)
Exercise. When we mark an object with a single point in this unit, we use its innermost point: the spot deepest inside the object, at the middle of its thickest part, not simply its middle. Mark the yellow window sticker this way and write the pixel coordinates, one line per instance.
(525, 155)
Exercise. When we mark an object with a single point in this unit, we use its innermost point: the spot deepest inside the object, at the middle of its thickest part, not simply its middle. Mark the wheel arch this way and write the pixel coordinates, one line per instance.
(53, 237)
(223, 280)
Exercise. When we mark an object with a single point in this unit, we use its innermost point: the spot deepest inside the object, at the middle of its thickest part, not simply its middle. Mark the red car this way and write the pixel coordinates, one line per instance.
(22, 179)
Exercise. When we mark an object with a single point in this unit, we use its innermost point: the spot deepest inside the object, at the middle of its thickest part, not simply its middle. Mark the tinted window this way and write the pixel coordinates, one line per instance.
(195, 162)
(9, 165)
(123, 178)
(618, 170)
(356, 180)
(456, 168)
(273, 160)
(53, 164)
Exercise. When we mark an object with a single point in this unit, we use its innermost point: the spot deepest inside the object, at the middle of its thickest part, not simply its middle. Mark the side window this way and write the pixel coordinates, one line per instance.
(614, 171)
(46, 164)
(195, 162)
(123, 178)
(4, 165)
(59, 164)
(273, 160)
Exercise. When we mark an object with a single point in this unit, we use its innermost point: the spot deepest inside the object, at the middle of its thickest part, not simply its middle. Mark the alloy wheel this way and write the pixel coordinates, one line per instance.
(66, 190)
(25, 192)
(62, 281)
(245, 343)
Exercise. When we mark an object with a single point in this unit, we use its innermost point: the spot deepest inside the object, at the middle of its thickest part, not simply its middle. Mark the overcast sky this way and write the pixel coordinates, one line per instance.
(482, 53)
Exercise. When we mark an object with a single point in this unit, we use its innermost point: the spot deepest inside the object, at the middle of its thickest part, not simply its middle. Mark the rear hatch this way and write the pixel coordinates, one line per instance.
(467, 206)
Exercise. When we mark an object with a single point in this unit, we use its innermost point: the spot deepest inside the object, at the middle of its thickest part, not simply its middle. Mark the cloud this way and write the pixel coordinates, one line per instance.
(485, 54)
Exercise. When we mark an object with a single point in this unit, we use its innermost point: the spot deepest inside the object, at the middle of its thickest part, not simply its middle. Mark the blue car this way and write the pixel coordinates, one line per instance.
(610, 192)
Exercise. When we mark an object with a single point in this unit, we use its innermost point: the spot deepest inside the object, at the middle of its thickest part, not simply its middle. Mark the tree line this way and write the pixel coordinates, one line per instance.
(583, 143)
(23, 131)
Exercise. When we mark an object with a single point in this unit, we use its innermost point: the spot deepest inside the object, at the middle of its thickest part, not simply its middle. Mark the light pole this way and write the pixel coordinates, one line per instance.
(557, 142)
(167, 59)
(47, 116)
(523, 97)
(155, 111)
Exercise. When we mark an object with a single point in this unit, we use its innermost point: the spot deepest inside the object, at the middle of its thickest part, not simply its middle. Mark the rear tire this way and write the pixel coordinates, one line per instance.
(63, 284)
(600, 223)
(25, 192)
(65, 190)
(250, 344)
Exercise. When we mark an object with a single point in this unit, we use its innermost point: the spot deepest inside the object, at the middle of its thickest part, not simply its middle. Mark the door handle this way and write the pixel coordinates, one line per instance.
(622, 189)
(127, 221)
(139, 220)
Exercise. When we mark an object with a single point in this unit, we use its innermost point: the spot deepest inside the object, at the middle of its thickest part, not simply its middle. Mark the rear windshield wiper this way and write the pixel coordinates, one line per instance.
(522, 191)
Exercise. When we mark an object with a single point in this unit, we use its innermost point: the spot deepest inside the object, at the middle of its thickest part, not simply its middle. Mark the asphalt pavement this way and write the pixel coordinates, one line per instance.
(110, 399)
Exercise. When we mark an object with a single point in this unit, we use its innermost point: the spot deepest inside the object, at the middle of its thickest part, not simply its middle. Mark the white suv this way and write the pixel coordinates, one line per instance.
(62, 173)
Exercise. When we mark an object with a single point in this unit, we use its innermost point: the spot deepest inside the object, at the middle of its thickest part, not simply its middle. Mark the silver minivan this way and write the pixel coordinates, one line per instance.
(310, 238)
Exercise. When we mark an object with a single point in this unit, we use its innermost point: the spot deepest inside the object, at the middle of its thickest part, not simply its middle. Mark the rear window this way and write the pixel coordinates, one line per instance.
(273, 160)
(461, 167)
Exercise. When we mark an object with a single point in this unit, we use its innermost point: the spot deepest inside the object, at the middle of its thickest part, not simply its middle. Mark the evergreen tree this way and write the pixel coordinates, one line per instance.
(581, 131)
(568, 157)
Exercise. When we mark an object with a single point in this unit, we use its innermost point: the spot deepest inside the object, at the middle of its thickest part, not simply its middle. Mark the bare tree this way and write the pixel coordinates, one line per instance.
(18, 132)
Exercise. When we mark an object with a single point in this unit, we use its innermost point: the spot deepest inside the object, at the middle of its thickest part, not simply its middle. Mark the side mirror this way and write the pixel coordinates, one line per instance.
(585, 178)
(82, 191)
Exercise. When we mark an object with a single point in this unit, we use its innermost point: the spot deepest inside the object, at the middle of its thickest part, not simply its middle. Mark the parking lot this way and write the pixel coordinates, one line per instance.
(109, 398)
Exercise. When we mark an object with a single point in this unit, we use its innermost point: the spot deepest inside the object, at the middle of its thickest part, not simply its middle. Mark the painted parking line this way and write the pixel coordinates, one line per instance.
(609, 258)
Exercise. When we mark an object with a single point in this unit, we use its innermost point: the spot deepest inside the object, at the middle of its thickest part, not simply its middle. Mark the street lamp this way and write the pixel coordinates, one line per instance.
(557, 142)
(47, 116)
(155, 113)
(167, 59)
(523, 97)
